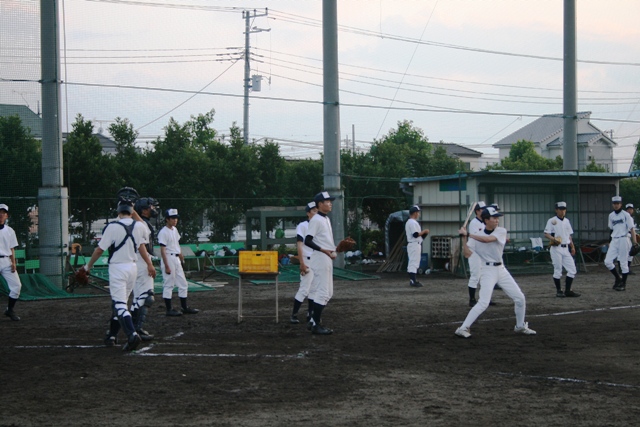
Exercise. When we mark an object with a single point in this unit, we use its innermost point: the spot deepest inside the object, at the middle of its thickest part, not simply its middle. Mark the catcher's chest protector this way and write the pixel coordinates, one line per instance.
(129, 230)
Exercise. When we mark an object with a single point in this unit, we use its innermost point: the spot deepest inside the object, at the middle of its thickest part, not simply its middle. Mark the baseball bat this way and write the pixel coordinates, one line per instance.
(471, 211)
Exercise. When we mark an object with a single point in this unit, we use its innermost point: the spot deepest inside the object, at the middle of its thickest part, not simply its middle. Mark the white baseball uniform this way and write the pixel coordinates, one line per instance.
(122, 263)
(8, 242)
(476, 226)
(322, 265)
(306, 279)
(170, 238)
(620, 224)
(561, 254)
(629, 237)
(492, 271)
(144, 282)
(414, 245)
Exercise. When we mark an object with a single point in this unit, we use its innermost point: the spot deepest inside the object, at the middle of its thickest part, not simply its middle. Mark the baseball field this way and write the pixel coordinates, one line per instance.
(393, 359)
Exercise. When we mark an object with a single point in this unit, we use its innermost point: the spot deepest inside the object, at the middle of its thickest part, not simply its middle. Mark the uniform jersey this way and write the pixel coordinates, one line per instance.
(170, 238)
(476, 226)
(321, 231)
(411, 227)
(301, 233)
(8, 240)
(145, 239)
(114, 234)
(492, 251)
(559, 227)
(151, 235)
(620, 224)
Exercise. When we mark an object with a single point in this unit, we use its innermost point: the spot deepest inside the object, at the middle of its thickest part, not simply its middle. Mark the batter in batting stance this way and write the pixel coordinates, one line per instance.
(415, 236)
(489, 247)
(306, 274)
(558, 230)
(476, 226)
(8, 243)
(620, 223)
(320, 238)
(143, 289)
(171, 265)
(123, 238)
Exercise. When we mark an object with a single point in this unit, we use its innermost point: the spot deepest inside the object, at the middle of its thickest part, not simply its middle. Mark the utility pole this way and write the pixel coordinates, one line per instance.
(53, 199)
(247, 15)
(570, 133)
(331, 119)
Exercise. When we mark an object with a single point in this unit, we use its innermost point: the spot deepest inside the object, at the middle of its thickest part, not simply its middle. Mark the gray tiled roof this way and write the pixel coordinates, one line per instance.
(457, 150)
(548, 129)
(28, 118)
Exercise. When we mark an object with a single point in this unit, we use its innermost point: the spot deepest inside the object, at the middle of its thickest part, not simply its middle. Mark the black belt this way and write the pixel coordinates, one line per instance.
(563, 246)
(174, 254)
(5, 256)
(308, 257)
(495, 264)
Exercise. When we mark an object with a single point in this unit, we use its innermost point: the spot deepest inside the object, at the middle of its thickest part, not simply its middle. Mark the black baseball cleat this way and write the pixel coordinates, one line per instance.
(622, 287)
(310, 325)
(173, 313)
(415, 284)
(560, 294)
(571, 294)
(132, 343)
(321, 330)
(11, 314)
(189, 310)
(144, 335)
(472, 302)
(294, 320)
(617, 284)
(110, 340)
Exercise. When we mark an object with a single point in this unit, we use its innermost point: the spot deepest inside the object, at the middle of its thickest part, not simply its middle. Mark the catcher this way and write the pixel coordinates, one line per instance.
(123, 238)
(558, 230)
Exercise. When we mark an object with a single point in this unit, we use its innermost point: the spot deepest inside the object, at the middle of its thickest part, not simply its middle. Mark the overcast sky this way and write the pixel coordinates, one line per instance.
(464, 71)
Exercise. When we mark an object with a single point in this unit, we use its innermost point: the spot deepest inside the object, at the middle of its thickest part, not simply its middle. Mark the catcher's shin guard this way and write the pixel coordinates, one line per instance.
(140, 318)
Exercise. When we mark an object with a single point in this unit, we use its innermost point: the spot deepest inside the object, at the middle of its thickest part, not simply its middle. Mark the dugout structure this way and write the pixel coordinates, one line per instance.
(527, 200)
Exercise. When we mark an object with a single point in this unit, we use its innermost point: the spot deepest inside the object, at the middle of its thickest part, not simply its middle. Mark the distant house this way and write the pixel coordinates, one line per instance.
(472, 159)
(28, 118)
(547, 135)
(108, 144)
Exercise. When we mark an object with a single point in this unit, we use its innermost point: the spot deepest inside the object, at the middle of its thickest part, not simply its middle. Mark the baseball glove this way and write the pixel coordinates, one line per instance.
(555, 241)
(635, 249)
(82, 277)
(345, 244)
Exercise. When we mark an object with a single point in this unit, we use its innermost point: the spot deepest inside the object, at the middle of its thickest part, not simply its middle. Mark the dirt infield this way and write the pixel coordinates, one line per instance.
(393, 360)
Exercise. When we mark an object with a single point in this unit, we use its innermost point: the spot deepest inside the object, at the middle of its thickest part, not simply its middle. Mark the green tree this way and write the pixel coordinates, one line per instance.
(593, 167)
(128, 161)
(89, 175)
(21, 168)
(523, 157)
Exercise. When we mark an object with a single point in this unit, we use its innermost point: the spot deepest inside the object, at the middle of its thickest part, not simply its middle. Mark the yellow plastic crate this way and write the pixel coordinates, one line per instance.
(258, 261)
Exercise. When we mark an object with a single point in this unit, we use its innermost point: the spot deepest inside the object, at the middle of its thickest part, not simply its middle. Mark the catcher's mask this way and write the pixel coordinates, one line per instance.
(147, 203)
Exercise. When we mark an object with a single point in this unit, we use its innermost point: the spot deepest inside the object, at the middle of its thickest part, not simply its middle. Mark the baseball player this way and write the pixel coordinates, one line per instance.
(123, 238)
(621, 224)
(631, 211)
(489, 247)
(475, 226)
(145, 208)
(306, 274)
(171, 265)
(320, 238)
(558, 230)
(415, 236)
(8, 270)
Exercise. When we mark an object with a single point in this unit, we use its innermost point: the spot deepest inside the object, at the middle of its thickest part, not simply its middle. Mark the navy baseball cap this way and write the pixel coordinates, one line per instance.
(561, 205)
(480, 205)
(322, 196)
(171, 213)
(489, 212)
(310, 205)
(628, 206)
(616, 199)
(414, 209)
(5, 207)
